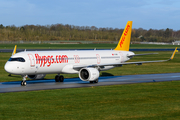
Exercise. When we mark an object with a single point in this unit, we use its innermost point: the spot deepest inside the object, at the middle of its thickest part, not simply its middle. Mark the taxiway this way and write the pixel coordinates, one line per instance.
(33, 85)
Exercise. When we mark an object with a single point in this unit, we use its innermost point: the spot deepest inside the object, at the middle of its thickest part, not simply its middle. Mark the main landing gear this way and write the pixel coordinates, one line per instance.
(96, 81)
(59, 78)
(23, 83)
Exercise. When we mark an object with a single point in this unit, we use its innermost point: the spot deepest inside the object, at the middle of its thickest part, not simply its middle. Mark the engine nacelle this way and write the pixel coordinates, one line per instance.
(88, 74)
(38, 76)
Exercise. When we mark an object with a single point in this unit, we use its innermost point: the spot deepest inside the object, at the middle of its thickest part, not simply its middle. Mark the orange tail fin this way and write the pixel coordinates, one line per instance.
(124, 41)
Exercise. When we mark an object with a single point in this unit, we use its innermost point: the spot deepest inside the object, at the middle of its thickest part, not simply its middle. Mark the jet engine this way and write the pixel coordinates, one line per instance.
(88, 74)
(38, 76)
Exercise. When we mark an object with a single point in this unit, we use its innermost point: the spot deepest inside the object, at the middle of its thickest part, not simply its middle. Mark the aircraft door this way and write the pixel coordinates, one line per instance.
(32, 60)
(122, 56)
(98, 58)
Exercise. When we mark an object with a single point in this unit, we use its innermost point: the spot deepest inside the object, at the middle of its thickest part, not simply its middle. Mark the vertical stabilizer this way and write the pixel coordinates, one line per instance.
(14, 51)
(124, 41)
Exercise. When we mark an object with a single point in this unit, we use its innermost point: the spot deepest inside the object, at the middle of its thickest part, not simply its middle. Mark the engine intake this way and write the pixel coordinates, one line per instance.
(88, 74)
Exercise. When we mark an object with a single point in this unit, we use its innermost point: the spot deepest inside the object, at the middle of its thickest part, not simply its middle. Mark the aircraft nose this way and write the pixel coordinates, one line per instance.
(8, 68)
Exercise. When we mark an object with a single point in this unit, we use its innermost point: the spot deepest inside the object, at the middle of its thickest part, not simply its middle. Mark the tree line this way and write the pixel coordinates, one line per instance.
(70, 32)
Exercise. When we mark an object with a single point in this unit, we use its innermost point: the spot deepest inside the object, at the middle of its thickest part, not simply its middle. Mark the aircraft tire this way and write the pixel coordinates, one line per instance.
(23, 83)
(61, 78)
(57, 78)
(96, 81)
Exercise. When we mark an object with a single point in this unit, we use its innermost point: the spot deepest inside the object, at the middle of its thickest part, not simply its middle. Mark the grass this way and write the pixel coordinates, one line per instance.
(158, 100)
(82, 46)
(133, 101)
(58, 46)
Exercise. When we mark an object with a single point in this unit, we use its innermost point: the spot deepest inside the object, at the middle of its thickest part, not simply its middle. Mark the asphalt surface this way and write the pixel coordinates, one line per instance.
(33, 85)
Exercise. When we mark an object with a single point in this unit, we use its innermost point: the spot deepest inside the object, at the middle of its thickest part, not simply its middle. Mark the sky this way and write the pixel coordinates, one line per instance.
(146, 14)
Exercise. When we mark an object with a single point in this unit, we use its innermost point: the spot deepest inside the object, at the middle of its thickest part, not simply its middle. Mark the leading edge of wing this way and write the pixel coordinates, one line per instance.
(124, 63)
(141, 54)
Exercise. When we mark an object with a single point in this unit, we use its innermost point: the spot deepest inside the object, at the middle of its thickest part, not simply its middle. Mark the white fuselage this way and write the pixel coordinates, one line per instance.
(48, 62)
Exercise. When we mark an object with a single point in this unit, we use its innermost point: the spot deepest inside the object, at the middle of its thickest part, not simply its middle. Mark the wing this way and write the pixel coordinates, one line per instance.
(141, 54)
(77, 67)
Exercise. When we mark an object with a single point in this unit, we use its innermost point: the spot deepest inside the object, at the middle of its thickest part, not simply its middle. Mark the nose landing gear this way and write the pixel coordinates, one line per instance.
(23, 83)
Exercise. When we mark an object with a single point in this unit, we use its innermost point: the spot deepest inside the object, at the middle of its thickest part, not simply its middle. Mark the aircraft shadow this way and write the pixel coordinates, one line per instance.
(106, 74)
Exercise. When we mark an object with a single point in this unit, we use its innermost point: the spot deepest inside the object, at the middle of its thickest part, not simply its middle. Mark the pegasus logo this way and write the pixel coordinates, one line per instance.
(124, 35)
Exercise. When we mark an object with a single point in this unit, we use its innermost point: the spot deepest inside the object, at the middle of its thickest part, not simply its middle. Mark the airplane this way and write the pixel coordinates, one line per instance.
(86, 63)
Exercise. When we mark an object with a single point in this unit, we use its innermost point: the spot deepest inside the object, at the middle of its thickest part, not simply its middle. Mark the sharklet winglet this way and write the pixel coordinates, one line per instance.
(173, 53)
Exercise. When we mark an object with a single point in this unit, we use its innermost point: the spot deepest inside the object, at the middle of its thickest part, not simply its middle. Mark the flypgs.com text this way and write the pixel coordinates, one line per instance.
(50, 59)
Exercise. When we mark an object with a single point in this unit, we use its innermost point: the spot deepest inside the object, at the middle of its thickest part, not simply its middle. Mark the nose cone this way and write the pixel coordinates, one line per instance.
(14, 68)
(7, 67)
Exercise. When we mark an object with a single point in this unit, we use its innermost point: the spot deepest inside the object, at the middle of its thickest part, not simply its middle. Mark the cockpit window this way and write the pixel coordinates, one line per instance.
(19, 59)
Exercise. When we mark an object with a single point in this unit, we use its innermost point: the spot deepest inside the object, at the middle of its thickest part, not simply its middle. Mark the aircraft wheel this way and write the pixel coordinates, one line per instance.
(23, 83)
(96, 81)
(57, 78)
(91, 81)
(61, 78)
